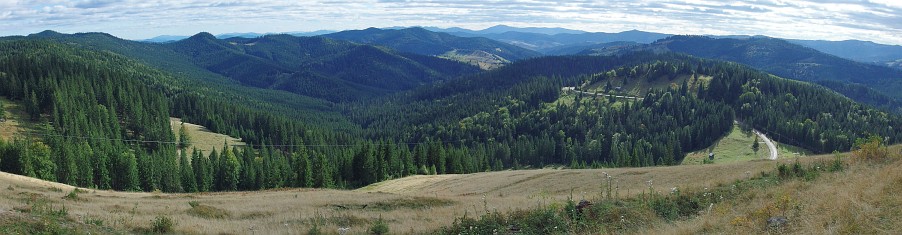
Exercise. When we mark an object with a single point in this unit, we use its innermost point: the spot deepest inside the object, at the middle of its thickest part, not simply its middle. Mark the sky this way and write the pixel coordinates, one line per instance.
(869, 20)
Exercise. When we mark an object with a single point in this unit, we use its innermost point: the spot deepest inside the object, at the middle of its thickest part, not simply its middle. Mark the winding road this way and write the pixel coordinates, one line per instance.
(770, 145)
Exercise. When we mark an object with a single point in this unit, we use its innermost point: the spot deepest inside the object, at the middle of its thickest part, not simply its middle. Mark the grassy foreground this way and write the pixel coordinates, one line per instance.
(813, 198)
(845, 194)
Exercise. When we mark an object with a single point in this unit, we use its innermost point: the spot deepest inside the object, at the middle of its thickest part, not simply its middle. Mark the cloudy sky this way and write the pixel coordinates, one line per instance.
(871, 20)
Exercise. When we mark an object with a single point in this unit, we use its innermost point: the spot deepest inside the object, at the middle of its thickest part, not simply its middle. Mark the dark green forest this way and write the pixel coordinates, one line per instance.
(866, 83)
(104, 118)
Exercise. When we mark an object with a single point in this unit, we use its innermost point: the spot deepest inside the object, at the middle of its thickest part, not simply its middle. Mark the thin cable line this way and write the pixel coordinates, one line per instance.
(245, 144)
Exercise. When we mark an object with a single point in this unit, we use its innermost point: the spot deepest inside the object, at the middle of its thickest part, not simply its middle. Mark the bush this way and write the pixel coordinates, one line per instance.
(871, 149)
(673, 207)
(794, 171)
(162, 224)
(314, 230)
(71, 196)
(837, 164)
(379, 227)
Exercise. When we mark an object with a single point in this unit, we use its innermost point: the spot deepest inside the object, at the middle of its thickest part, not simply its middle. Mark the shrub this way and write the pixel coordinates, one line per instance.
(837, 164)
(93, 221)
(673, 207)
(314, 230)
(783, 171)
(71, 196)
(379, 227)
(162, 224)
(871, 149)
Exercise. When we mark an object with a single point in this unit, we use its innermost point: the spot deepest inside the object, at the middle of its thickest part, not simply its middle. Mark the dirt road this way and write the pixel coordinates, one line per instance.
(770, 145)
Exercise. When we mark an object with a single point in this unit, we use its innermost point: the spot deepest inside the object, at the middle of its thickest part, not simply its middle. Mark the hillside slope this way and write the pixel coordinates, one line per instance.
(409, 204)
(424, 42)
(313, 66)
(872, 84)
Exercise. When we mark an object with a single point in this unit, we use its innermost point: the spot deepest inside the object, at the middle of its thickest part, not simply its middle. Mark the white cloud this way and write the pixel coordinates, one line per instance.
(874, 20)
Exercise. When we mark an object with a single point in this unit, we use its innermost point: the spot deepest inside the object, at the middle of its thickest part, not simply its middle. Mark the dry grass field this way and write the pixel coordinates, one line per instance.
(11, 127)
(863, 199)
(416, 205)
(202, 138)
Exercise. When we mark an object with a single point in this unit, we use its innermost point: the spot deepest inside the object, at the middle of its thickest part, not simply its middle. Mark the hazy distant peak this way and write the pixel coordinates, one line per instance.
(202, 35)
(47, 33)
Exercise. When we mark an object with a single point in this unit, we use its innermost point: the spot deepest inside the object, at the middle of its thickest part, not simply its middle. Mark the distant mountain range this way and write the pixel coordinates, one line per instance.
(857, 69)
(499, 29)
(862, 51)
(317, 67)
(475, 50)
(557, 41)
(173, 38)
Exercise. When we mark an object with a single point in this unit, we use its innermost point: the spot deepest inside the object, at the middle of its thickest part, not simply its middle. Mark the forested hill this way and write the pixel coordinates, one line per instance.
(317, 67)
(103, 118)
(518, 115)
(793, 61)
(314, 66)
(425, 42)
(97, 96)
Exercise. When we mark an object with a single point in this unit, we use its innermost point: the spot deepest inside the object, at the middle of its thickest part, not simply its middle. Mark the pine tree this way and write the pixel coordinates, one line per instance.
(184, 139)
(130, 175)
(231, 170)
(249, 175)
(322, 172)
(214, 172)
(189, 183)
(33, 108)
(2, 112)
(303, 171)
(85, 165)
(755, 145)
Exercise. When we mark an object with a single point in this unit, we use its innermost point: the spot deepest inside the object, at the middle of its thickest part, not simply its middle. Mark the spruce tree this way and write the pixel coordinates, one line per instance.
(130, 174)
(755, 145)
(189, 183)
(2, 112)
(184, 139)
(231, 170)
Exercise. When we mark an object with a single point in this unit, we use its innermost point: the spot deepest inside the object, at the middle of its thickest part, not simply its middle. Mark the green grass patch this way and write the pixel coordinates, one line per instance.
(737, 147)
(395, 204)
(411, 203)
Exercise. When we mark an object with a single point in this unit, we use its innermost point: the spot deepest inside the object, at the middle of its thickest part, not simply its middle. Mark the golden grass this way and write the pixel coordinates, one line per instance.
(13, 126)
(202, 138)
(485, 60)
(417, 204)
(861, 200)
